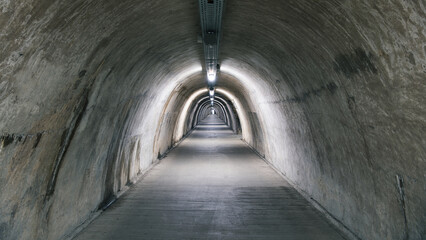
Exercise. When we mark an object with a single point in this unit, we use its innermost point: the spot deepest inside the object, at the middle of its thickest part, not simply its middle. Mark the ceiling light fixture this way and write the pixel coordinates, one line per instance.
(211, 76)
(211, 22)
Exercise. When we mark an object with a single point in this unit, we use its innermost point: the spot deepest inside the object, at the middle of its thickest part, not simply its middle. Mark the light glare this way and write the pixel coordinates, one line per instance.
(211, 75)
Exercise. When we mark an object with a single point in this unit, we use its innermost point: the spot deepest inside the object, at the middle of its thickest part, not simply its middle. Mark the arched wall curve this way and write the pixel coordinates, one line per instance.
(206, 109)
(232, 117)
(205, 104)
(330, 92)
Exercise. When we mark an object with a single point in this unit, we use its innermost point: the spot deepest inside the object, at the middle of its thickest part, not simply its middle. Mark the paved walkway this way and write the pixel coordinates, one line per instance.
(212, 186)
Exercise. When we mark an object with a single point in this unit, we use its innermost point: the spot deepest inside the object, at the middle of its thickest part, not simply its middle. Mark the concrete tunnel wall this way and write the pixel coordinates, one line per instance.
(330, 92)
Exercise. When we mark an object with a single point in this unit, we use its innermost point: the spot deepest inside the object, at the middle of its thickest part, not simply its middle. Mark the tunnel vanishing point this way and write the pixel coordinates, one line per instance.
(330, 94)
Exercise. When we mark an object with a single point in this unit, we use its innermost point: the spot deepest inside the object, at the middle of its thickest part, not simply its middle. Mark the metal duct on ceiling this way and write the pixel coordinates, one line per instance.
(211, 21)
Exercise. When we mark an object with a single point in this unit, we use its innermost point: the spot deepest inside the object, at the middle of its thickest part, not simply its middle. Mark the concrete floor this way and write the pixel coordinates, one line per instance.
(212, 186)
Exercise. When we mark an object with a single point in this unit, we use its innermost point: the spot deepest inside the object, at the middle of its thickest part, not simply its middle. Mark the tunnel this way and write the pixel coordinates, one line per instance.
(325, 97)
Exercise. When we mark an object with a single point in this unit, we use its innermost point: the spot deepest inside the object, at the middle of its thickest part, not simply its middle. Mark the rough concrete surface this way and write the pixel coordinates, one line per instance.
(331, 93)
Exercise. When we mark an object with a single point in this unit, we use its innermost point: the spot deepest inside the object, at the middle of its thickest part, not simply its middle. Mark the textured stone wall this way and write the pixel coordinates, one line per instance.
(331, 92)
(82, 88)
(344, 104)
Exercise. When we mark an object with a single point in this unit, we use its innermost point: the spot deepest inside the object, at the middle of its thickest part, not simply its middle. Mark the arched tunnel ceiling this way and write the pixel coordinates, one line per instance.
(330, 92)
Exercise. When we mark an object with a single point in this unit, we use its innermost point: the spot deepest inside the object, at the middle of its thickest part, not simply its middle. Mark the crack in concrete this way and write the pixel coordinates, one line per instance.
(400, 184)
(69, 132)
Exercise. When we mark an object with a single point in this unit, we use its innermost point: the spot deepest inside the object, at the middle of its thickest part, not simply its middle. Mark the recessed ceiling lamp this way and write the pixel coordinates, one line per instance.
(211, 22)
(211, 76)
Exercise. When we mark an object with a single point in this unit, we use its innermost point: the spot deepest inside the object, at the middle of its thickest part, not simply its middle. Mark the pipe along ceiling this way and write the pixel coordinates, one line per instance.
(331, 93)
(211, 22)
